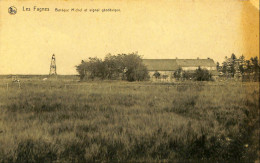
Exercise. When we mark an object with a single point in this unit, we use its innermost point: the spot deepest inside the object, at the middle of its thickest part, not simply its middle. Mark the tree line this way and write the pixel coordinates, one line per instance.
(198, 75)
(239, 66)
(128, 67)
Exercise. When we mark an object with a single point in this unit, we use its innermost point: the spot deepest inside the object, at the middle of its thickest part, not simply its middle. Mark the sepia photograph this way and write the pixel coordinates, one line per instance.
(129, 81)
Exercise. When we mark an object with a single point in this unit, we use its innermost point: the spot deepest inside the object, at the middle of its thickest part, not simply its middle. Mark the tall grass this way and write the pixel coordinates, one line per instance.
(120, 121)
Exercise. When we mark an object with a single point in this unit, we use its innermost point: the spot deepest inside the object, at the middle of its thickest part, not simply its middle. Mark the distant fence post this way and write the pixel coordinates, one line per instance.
(19, 85)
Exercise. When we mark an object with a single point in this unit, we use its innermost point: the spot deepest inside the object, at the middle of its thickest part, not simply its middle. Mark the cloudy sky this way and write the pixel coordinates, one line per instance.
(156, 29)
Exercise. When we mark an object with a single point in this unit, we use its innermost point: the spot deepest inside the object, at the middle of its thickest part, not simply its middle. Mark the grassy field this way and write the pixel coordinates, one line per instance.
(69, 121)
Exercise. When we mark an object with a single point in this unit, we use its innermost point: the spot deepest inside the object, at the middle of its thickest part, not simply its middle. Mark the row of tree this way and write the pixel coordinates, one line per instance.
(128, 67)
(199, 74)
(239, 65)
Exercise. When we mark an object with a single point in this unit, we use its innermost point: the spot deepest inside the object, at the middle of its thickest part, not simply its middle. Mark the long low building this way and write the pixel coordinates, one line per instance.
(167, 67)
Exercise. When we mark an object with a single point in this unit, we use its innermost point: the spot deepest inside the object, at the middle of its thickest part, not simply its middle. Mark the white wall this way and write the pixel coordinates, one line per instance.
(194, 68)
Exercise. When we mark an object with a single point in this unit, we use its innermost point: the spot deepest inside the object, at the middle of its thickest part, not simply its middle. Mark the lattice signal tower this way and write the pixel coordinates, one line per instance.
(53, 66)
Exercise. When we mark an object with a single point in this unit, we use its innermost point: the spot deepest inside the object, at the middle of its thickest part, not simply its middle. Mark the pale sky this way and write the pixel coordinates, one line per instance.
(156, 29)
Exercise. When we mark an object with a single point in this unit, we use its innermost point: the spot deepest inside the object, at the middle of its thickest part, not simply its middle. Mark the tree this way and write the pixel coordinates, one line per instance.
(248, 67)
(224, 67)
(81, 69)
(232, 64)
(255, 65)
(242, 64)
(93, 68)
(135, 69)
(218, 67)
(178, 73)
(113, 66)
(96, 68)
(129, 65)
(187, 75)
(255, 68)
(233, 56)
(202, 75)
(156, 74)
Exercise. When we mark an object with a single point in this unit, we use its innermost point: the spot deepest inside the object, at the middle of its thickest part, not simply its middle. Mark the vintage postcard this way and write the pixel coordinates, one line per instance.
(129, 81)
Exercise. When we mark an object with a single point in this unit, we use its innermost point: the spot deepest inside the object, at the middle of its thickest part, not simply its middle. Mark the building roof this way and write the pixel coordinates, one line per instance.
(195, 62)
(174, 64)
(160, 64)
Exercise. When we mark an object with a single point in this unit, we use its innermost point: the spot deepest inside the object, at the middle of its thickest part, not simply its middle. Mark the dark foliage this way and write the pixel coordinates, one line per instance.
(249, 69)
(202, 75)
(178, 74)
(156, 74)
(122, 66)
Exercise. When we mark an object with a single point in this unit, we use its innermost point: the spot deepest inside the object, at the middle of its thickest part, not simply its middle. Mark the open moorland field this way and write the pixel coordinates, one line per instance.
(68, 121)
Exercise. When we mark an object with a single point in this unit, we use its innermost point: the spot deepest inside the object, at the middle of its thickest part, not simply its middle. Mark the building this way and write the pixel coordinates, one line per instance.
(167, 67)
